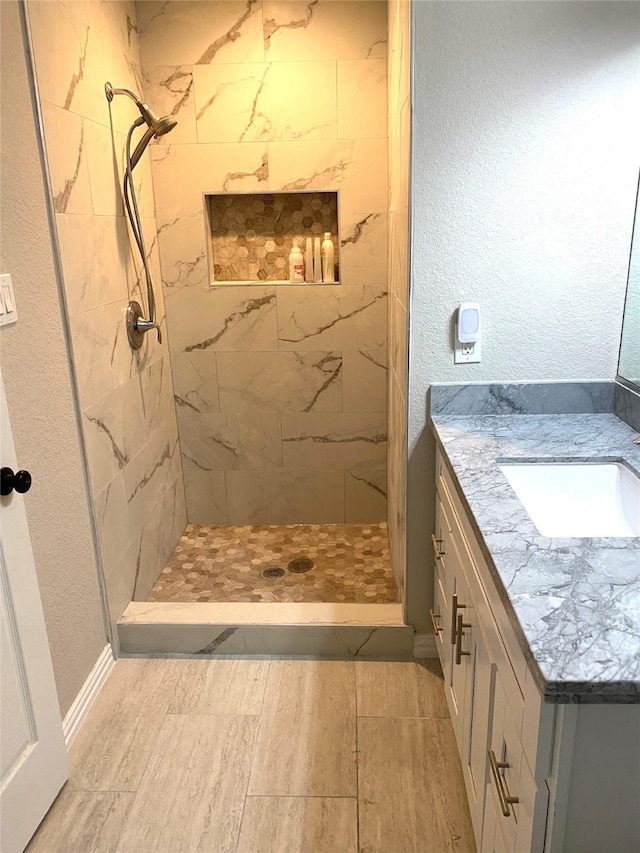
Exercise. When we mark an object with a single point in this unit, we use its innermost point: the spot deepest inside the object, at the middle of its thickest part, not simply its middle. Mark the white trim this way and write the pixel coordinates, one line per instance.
(424, 646)
(78, 711)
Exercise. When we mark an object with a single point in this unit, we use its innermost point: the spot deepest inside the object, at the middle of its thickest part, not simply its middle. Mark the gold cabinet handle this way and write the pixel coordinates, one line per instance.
(454, 616)
(503, 794)
(437, 629)
(459, 635)
(437, 547)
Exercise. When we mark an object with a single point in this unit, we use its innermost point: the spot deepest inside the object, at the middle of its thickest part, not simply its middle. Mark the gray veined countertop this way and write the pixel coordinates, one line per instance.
(574, 603)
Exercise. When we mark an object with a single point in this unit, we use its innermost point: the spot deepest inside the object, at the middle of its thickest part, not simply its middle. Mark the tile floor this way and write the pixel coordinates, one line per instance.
(263, 756)
(351, 563)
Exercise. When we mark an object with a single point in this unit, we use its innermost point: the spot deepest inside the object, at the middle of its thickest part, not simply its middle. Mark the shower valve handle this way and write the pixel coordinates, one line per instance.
(146, 326)
(137, 325)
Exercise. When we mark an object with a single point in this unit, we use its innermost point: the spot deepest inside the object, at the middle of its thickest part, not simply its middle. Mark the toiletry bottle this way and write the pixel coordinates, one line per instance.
(308, 260)
(328, 265)
(317, 263)
(296, 264)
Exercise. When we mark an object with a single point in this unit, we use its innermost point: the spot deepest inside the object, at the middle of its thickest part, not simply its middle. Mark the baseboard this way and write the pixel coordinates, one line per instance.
(77, 713)
(424, 646)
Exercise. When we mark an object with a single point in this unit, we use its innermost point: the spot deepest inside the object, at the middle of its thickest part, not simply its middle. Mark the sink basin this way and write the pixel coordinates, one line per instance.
(578, 498)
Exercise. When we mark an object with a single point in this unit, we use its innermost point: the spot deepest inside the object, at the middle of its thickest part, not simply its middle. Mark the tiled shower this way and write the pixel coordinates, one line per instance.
(266, 403)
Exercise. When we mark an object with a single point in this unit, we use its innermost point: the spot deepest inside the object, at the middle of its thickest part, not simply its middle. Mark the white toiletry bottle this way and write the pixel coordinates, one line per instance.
(296, 264)
(328, 264)
(308, 260)
(317, 263)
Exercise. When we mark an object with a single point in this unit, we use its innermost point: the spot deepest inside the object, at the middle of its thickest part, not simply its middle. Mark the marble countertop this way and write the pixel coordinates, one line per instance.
(574, 602)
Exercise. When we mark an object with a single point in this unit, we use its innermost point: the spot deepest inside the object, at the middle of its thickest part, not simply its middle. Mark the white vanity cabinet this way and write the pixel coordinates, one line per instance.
(517, 752)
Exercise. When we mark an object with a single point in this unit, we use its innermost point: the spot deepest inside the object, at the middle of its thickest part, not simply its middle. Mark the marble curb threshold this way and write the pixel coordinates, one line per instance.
(266, 628)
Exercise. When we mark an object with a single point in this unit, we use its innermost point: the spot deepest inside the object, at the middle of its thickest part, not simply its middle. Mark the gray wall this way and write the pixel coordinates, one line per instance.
(36, 376)
(525, 166)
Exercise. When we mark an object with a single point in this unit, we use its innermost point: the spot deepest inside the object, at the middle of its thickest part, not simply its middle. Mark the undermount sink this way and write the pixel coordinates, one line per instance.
(583, 499)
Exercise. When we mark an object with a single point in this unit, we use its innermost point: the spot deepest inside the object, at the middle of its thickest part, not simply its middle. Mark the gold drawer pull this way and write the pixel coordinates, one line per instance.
(437, 547)
(454, 616)
(459, 635)
(503, 795)
(437, 629)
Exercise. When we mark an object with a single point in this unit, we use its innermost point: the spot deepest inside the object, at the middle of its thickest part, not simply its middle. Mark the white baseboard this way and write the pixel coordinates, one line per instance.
(424, 646)
(77, 713)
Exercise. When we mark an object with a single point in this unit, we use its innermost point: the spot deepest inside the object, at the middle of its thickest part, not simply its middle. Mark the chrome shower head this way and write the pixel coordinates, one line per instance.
(159, 126)
(163, 125)
(155, 126)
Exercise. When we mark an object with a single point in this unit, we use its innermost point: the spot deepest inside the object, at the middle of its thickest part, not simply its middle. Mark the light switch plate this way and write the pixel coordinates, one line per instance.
(8, 310)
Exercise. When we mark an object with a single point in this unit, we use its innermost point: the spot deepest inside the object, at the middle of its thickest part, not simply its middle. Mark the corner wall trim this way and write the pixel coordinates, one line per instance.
(78, 711)
(424, 646)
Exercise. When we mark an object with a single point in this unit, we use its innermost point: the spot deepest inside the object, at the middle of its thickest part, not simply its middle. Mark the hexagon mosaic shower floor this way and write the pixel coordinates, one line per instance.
(351, 563)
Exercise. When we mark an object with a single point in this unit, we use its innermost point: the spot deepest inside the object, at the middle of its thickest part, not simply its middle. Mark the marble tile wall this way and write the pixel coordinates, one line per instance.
(280, 390)
(398, 280)
(126, 398)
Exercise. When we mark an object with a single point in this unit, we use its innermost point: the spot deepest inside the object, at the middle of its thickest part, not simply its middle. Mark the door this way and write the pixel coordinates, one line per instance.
(33, 756)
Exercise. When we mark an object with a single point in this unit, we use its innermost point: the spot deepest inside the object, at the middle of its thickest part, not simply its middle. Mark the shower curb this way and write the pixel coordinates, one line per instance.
(304, 630)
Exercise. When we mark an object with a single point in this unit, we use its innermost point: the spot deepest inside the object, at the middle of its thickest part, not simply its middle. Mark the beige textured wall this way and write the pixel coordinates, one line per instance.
(128, 418)
(36, 375)
(399, 168)
(280, 390)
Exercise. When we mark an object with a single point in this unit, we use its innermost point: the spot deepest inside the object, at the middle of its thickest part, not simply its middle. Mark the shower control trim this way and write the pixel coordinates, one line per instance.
(138, 325)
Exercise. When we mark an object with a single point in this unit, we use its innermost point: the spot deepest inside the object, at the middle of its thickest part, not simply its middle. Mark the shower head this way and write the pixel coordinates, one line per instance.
(163, 125)
(159, 126)
(156, 127)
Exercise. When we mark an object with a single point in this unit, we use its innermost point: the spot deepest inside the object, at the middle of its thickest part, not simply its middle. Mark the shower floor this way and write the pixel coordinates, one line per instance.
(351, 563)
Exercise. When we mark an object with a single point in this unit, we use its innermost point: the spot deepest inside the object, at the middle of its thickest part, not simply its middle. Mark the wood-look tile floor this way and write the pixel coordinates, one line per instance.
(349, 563)
(263, 756)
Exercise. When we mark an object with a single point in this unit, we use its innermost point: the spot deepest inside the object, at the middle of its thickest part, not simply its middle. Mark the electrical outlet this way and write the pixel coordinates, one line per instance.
(466, 353)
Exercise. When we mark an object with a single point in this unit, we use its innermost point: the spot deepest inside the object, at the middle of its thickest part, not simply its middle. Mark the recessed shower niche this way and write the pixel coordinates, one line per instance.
(252, 234)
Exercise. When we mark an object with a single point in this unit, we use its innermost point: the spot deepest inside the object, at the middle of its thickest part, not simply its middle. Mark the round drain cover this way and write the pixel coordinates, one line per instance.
(273, 572)
(300, 565)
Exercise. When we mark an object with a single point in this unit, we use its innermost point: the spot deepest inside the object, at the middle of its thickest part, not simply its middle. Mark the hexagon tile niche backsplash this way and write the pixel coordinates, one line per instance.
(252, 234)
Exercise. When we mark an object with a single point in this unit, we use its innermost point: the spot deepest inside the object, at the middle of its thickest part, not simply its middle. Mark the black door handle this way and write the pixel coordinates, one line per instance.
(20, 481)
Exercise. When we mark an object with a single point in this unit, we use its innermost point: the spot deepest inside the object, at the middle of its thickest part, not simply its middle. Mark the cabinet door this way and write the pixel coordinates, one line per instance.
(443, 586)
(459, 680)
(505, 780)
(477, 728)
(493, 841)
(439, 618)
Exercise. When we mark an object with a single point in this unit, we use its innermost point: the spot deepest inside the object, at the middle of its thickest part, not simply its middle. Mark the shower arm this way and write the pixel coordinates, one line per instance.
(110, 91)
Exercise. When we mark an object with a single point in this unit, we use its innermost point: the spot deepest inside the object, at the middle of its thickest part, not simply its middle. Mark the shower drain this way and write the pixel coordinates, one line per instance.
(300, 565)
(273, 572)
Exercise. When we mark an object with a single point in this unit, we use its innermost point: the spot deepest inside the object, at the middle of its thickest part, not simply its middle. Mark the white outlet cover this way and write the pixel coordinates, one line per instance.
(461, 356)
